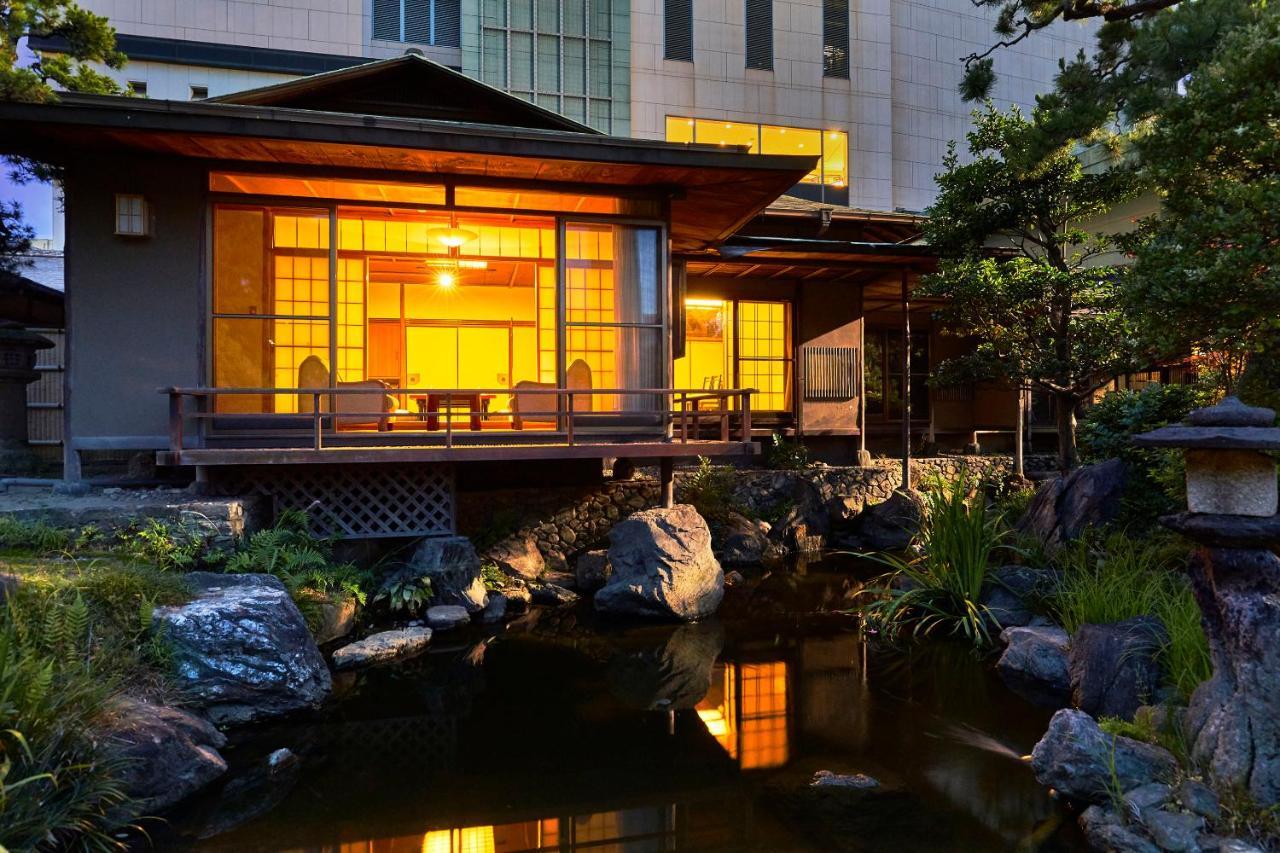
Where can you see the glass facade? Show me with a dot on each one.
(569, 56)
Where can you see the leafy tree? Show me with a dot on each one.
(1215, 244)
(15, 237)
(1048, 311)
(89, 38)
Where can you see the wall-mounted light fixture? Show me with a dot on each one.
(133, 216)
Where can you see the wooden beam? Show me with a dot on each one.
(330, 455)
(906, 382)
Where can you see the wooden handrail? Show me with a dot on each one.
(564, 411)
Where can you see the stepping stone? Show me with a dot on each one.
(385, 646)
(444, 617)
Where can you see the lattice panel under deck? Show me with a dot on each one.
(363, 501)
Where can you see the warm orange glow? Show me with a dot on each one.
(452, 237)
(832, 145)
(446, 279)
(471, 839)
(746, 712)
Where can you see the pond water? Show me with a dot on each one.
(558, 733)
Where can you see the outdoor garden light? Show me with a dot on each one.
(1229, 471)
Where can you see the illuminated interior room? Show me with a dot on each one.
(448, 315)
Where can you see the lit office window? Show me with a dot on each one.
(832, 146)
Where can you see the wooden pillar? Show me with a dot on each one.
(864, 458)
(667, 478)
(906, 382)
(1018, 434)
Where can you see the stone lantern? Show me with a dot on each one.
(1233, 721)
(18, 348)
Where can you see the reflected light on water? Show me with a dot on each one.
(746, 712)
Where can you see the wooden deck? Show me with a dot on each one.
(331, 455)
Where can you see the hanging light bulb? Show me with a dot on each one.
(453, 237)
(446, 279)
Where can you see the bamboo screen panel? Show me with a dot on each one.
(830, 373)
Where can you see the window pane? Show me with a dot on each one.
(612, 274)
(239, 286)
(764, 361)
(835, 38)
(759, 17)
(793, 140)
(679, 129)
(835, 158)
(728, 133)
(677, 21)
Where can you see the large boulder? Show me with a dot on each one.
(1034, 665)
(168, 754)
(739, 541)
(518, 556)
(1232, 721)
(1010, 592)
(1115, 668)
(241, 650)
(662, 566)
(673, 675)
(890, 525)
(1080, 761)
(1065, 507)
(452, 566)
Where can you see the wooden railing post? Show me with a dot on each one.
(175, 420)
(317, 425)
(724, 417)
(448, 419)
(746, 417)
(684, 418)
(568, 424)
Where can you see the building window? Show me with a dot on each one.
(677, 22)
(835, 38)
(883, 374)
(753, 351)
(435, 22)
(199, 93)
(138, 87)
(558, 54)
(760, 34)
(131, 216)
(831, 146)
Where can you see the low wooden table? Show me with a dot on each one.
(429, 406)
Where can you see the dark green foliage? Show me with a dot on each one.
(782, 454)
(90, 39)
(34, 537)
(15, 237)
(1155, 479)
(939, 589)
(1207, 265)
(492, 577)
(1049, 314)
(302, 562)
(710, 489)
(170, 545)
(73, 634)
(1115, 578)
(406, 594)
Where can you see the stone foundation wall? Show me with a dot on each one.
(566, 521)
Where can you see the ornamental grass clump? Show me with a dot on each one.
(1117, 578)
(938, 590)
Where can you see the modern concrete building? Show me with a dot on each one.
(871, 85)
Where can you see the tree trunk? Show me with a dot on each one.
(1065, 410)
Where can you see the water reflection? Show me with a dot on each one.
(574, 736)
(746, 712)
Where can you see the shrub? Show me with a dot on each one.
(304, 564)
(169, 544)
(406, 593)
(782, 454)
(492, 576)
(1106, 431)
(35, 537)
(710, 489)
(71, 635)
(1119, 578)
(939, 590)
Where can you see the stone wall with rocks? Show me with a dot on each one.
(562, 522)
